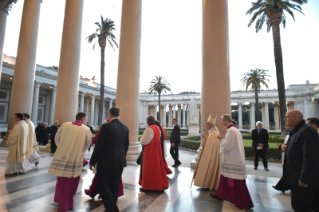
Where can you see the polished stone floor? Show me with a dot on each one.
(34, 190)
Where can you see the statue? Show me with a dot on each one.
(192, 108)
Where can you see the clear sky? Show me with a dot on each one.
(172, 40)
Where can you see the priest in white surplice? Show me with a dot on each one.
(32, 140)
(19, 151)
(207, 173)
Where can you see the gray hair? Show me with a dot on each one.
(227, 117)
(258, 122)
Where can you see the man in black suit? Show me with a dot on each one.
(260, 139)
(110, 155)
(53, 129)
(301, 159)
(175, 141)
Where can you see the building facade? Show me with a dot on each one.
(304, 97)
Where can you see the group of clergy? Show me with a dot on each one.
(23, 146)
(221, 164)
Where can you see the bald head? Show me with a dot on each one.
(293, 118)
(150, 120)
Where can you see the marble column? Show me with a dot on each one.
(34, 115)
(252, 116)
(24, 71)
(266, 122)
(128, 81)
(92, 109)
(170, 116)
(263, 118)
(276, 116)
(164, 116)
(87, 107)
(110, 104)
(104, 110)
(291, 105)
(305, 109)
(53, 96)
(152, 110)
(82, 102)
(97, 110)
(187, 120)
(240, 115)
(69, 75)
(198, 112)
(215, 62)
(179, 114)
(184, 117)
(174, 111)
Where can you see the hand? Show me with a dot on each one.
(203, 135)
(91, 168)
(284, 147)
(173, 144)
(220, 137)
(302, 184)
(260, 144)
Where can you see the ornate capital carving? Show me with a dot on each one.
(6, 5)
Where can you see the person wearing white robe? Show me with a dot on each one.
(19, 153)
(32, 141)
(207, 172)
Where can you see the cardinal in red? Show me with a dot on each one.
(153, 171)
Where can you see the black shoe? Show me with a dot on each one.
(215, 197)
(177, 164)
(283, 191)
(36, 164)
(255, 168)
(86, 192)
(266, 169)
(174, 166)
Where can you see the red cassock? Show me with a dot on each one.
(153, 175)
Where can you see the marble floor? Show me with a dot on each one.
(34, 190)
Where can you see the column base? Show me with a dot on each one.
(193, 164)
(193, 129)
(134, 151)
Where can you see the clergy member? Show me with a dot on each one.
(53, 129)
(207, 173)
(32, 141)
(19, 150)
(152, 174)
(72, 139)
(232, 184)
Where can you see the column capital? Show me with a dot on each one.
(37, 84)
(6, 5)
(252, 103)
(82, 94)
(240, 103)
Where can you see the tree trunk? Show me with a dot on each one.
(159, 106)
(257, 110)
(280, 77)
(101, 103)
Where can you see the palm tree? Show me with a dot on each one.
(104, 33)
(272, 12)
(159, 85)
(255, 78)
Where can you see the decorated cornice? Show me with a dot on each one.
(6, 5)
(42, 73)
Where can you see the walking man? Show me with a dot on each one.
(72, 139)
(32, 141)
(110, 156)
(301, 159)
(175, 141)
